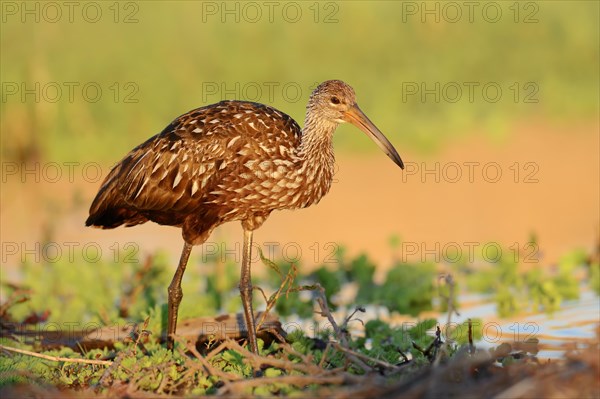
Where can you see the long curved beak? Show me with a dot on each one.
(358, 118)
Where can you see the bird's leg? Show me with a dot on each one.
(246, 290)
(175, 294)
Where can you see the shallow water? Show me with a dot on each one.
(575, 322)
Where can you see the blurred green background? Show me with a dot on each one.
(168, 57)
(511, 83)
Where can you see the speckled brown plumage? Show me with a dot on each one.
(234, 160)
(228, 161)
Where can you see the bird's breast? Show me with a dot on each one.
(267, 185)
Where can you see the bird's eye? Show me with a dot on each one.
(335, 100)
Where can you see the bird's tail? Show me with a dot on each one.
(109, 210)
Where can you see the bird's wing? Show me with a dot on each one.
(171, 173)
(174, 170)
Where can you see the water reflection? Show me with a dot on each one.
(576, 320)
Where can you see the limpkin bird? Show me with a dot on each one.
(234, 160)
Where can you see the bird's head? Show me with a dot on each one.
(335, 101)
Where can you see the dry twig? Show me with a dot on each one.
(366, 358)
(340, 334)
(296, 380)
(449, 280)
(55, 358)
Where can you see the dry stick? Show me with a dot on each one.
(307, 360)
(216, 351)
(164, 380)
(163, 384)
(351, 355)
(256, 360)
(322, 301)
(135, 336)
(273, 299)
(349, 318)
(55, 358)
(225, 377)
(471, 346)
(186, 376)
(325, 312)
(263, 294)
(274, 267)
(325, 353)
(365, 357)
(209, 367)
(290, 350)
(307, 367)
(286, 282)
(404, 357)
(450, 281)
(107, 378)
(297, 380)
(15, 297)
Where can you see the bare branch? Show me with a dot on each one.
(55, 358)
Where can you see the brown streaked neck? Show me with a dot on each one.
(316, 148)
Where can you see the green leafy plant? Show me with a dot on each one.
(408, 288)
(516, 286)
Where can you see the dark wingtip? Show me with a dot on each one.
(91, 221)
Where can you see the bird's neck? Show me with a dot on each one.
(316, 153)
